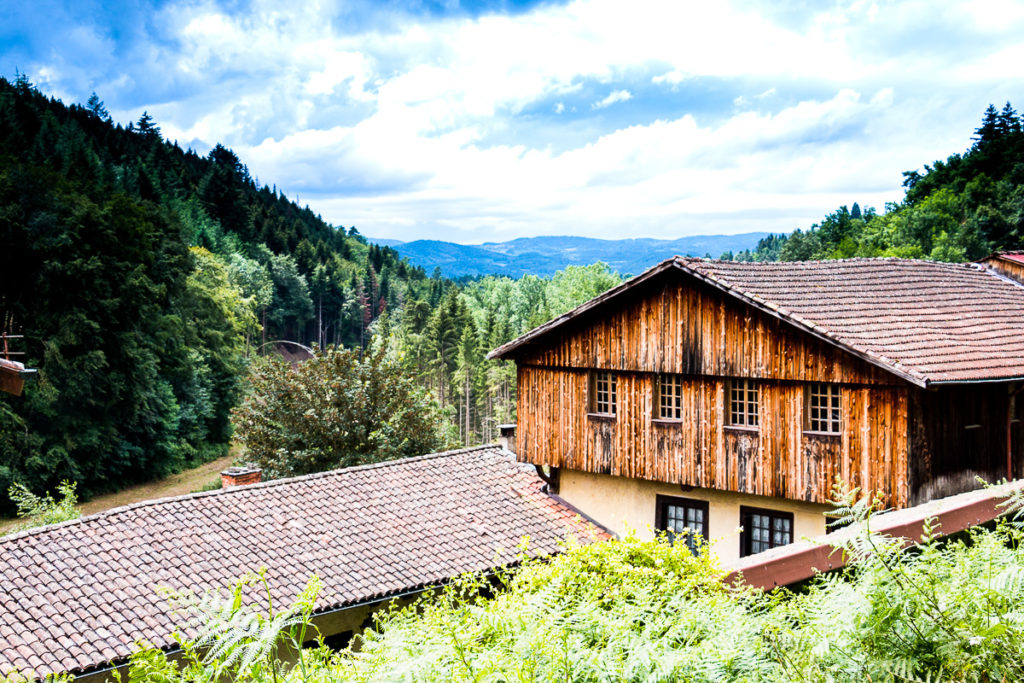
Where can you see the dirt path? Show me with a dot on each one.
(174, 485)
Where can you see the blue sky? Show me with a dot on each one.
(483, 121)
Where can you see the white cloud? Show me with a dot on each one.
(451, 127)
(672, 78)
(612, 98)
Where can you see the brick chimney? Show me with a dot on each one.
(240, 476)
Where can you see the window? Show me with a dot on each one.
(670, 397)
(764, 529)
(823, 408)
(676, 515)
(743, 403)
(604, 393)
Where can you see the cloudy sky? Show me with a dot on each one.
(483, 121)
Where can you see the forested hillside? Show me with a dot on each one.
(144, 276)
(544, 256)
(959, 209)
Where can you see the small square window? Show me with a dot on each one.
(605, 393)
(764, 529)
(670, 397)
(676, 515)
(744, 403)
(824, 408)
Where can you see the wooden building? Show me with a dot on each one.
(1008, 263)
(714, 395)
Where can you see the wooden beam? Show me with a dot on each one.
(804, 559)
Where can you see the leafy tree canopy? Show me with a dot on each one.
(959, 209)
(339, 408)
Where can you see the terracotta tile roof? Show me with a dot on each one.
(922, 320)
(1017, 256)
(939, 322)
(77, 595)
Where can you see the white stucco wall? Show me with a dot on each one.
(624, 505)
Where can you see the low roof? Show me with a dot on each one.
(803, 559)
(1015, 256)
(925, 321)
(76, 596)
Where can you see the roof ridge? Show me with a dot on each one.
(810, 262)
(250, 487)
(893, 366)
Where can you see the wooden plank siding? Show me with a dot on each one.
(1008, 267)
(777, 459)
(694, 330)
(960, 433)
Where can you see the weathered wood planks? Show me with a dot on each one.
(777, 459)
(691, 328)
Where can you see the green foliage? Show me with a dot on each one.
(338, 409)
(235, 638)
(141, 276)
(212, 485)
(239, 635)
(627, 610)
(444, 344)
(43, 510)
(959, 209)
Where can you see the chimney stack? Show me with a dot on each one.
(507, 436)
(240, 476)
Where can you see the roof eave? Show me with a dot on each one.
(984, 380)
(506, 350)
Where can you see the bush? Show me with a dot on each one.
(43, 510)
(339, 408)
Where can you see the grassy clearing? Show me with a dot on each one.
(175, 485)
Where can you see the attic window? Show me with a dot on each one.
(670, 397)
(744, 400)
(824, 408)
(604, 393)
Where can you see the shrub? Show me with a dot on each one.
(43, 510)
(337, 409)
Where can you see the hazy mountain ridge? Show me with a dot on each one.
(544, 256)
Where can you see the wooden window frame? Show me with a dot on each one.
(672, 400)
(827, 419)
(606, 397)
(746, 537)
(662, 504)
(748, 416)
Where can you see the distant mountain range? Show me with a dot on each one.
(545, 255)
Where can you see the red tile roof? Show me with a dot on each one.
(922, 320)
(77, 595)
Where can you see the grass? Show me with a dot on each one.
(188, 481)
